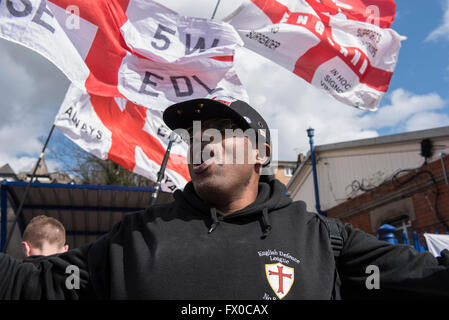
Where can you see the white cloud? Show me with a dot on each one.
(31, 90)
(20, 145)
(16, 86)
(27, 163)
(21, 164)
(17, 139)
(425, 120)
(403, 105)
(441, 31)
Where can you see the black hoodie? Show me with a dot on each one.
(272, 249)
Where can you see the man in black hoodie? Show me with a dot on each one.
(231, 234)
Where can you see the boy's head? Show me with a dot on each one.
(44, 236)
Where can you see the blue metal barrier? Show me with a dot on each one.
(416, 243)
(386, 233)
(405, 238)
(3, 217)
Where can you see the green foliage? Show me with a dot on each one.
(106, 172)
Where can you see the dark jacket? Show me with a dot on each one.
(271, 249)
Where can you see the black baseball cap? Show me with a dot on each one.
(181, 115)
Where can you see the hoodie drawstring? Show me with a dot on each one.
(213, 214)
(266, 223)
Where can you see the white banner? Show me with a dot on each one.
(134, 49)
(437, 243)
(350, 59)
(33, 24)
(127, 60)
(130, 135)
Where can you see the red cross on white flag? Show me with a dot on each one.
(134, 49)
(342, 47)
(132, 136)
(121, 55)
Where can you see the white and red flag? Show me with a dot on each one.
(117, 129)
(344, 47)
(122, 57)
(134, 49)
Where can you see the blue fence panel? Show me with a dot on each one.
(386, 233)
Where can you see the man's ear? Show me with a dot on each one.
(263, 155)
(66, 247)
(26, 248)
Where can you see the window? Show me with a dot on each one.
(392, 213)
(288, 172)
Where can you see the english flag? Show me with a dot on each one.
(123, 57)
(344, 47)
(133, 136)
(134, 49)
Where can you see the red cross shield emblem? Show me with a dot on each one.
(280, 278)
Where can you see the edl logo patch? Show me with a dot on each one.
(280, 278)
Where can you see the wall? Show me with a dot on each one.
(279, 173)
(420, 189)
(342, 171)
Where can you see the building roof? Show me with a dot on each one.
(298, 170)
(282, 163)
(6, 170)
(393, 138)
(388, 139)
(42, 169)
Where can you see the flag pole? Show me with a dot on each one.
(25, 194)
(215, 10)
(160, 174)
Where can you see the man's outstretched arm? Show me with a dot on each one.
(63, 276)
(373, 268)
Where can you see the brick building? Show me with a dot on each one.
(284, 170)
(416, 200)
(398, 179)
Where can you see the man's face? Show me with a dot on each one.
(220, 158)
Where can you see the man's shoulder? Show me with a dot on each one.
(160, 209)
(137, 220)
(300, 207)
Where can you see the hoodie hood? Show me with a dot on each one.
(271, 196)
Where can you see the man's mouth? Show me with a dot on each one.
(200, 168)
(204, 165)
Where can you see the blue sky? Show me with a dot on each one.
(423, 64)
(32, 90)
